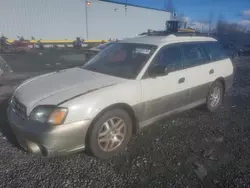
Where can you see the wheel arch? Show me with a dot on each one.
(221, 80)
(123, 106)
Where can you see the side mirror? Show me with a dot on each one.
(157, 70)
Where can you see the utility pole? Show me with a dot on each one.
(169, 6)
(173, 14)
(87, 3)
(126, 4)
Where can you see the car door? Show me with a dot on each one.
(199, 71)
(165, 93)
(218, 60)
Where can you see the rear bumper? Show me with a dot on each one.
(48, 140)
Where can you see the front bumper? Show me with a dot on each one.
(48, 140)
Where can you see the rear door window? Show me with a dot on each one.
(193, 55)
(214, 51)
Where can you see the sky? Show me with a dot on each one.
(197, 11)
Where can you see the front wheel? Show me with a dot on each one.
(109, 134)
(215, 96)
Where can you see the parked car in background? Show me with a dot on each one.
(236, 45)
(232, 50)
(125, 87)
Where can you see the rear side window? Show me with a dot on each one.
(214, 51)
(193, 55)
(170, 56)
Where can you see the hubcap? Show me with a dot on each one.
(111, 134)
(215, 96)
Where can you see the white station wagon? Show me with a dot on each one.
(127, 86)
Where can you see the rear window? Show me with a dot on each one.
(214, 51)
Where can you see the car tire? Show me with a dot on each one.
(215, 96)
(112, 128)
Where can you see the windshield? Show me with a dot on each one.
(121, 59)
(102, 46)
(3, 65)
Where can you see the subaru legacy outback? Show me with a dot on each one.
(125, 87)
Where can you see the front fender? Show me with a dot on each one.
(87, 107)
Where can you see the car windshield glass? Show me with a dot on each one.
(3, 63)
(102, 46)
(4, 66)
(121, 59)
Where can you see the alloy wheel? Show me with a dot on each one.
(112, 134)
(215, 96)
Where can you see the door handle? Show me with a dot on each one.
(181, 80)
(211, 71)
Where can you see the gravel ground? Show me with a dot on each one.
(192, 149)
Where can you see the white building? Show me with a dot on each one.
(61, 19)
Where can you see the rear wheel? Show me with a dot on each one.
(215, 96)
(110, 133)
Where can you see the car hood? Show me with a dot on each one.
(64, 84)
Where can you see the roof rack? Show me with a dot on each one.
(167, 33)
(172, 28)
(155, 33)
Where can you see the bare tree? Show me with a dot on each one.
(221, 24)
(224, 26)
(210, 22)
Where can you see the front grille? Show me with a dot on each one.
(19, 108)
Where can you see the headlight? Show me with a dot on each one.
(49, 114)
